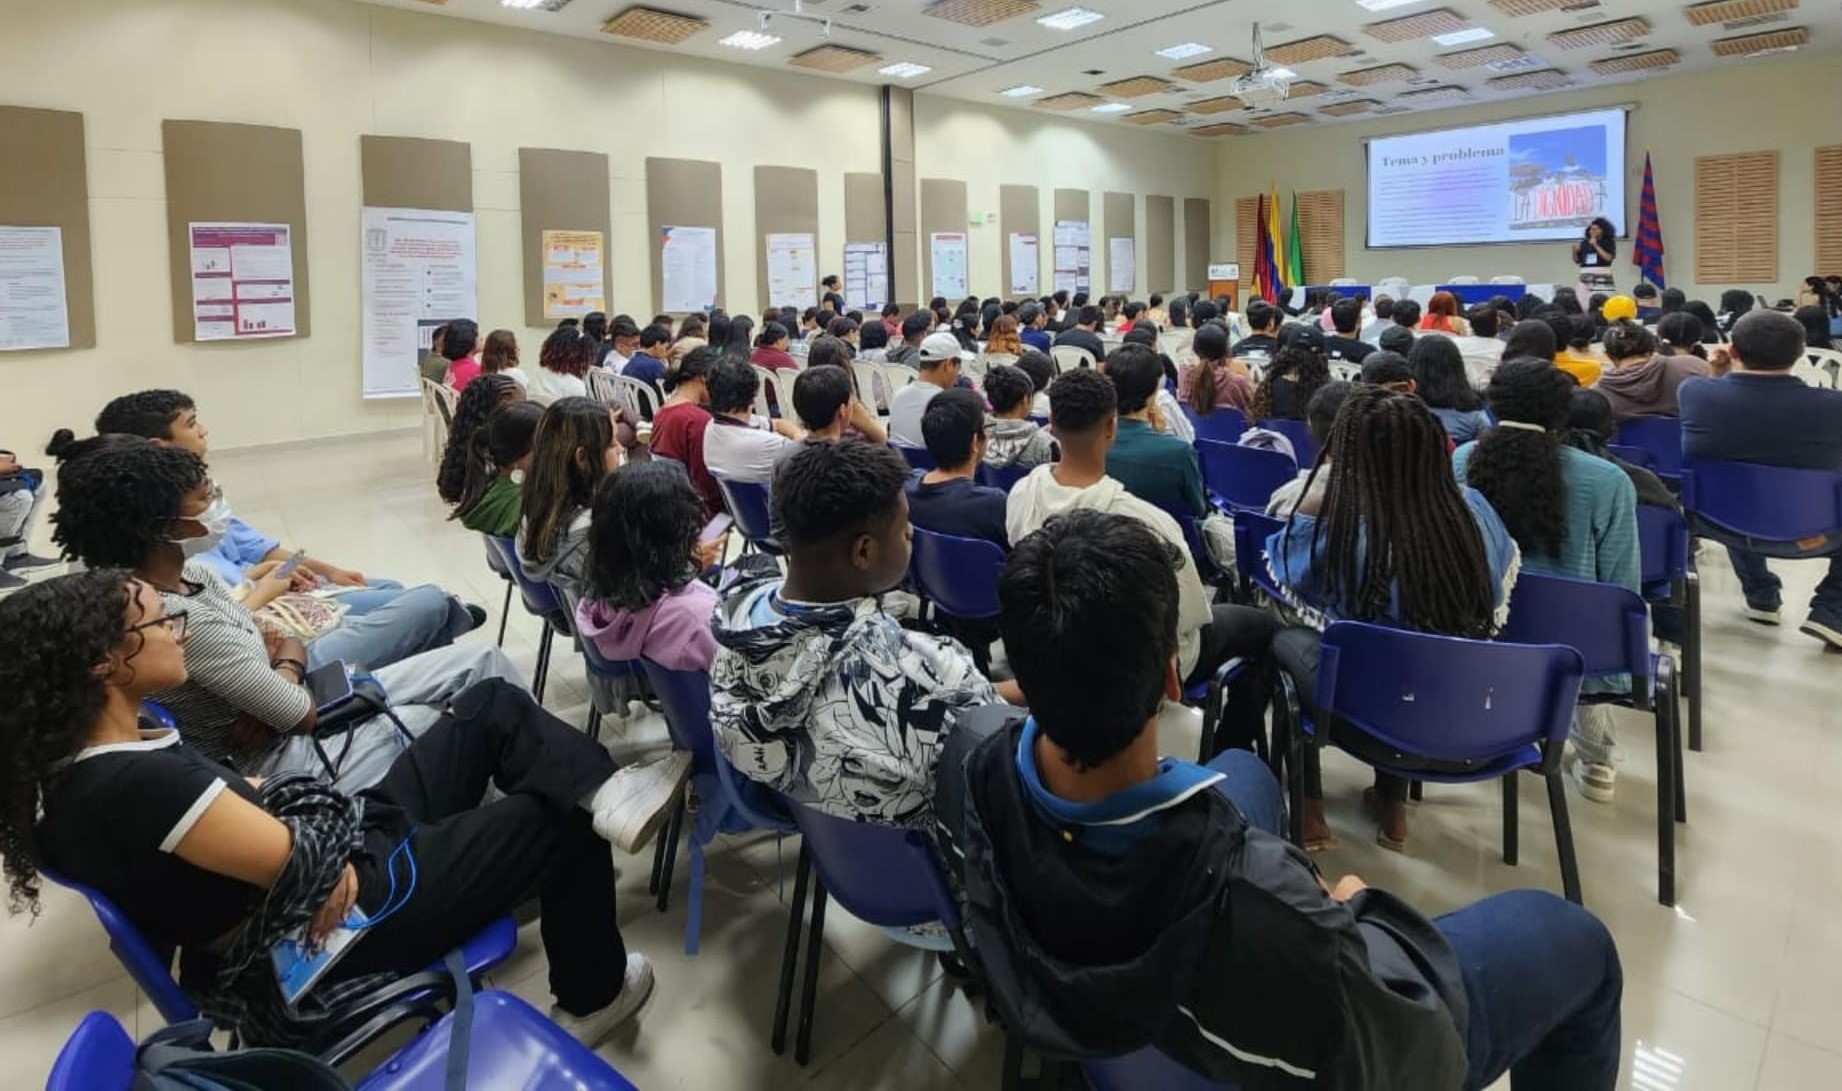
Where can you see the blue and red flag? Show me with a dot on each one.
(1647, 252)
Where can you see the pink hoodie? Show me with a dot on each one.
(673, 632)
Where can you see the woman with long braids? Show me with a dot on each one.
(1393, 539)
(477, 402)
(492, 493)
(223, 866)
(1573, 515)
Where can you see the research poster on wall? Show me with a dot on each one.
(866, 275)
(949, 253)
(418, 271)
(1121, 264)
(688, 271)
(1024, 273)
(242, 281)
(1074, 256)
(793, 269)
(575, 277)
(34, 313)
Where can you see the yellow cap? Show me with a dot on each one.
(1620, 306)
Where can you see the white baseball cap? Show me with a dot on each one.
(941, 346)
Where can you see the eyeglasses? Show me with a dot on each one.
(175, 622)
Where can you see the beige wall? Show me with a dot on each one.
(992, 146)
(1759, 106)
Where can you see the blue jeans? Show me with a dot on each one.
(410, 622)
(375, 593)
(1542, 977)
(1762, 587)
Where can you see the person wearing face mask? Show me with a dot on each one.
(127, 502)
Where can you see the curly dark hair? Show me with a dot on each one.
(1306, 370)
(1007, 386)
(52, 635)
(1080, 401)
(148, 413)
(483, 395)
(567, 351)
(117, 495)
(828, 492)
(1519, 470)
(646, 520)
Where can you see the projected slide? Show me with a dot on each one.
(1520, 181)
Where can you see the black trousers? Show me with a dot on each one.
(1246, 633)
(474, 861)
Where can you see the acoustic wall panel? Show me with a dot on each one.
(1120, 221)
(1198, 233)
(1160, 263)
(943, 209)
(687, 193)
(44, 182)
(1020, 213)
(786, 200)
(560, 191)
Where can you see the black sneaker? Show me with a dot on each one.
(27, 560)
(10, 582)
(477, 613)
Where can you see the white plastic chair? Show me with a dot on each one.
(1464, 280)
(895, 377)
(766, 374)
(1394, 287)
(1345, 282)
(1070, 356)
(602, 386)
(863, 376)
(638, 396)
(1820, 367)
(438, 401)
(1344, 371)
(1506, 279)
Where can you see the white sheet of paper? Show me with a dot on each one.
(33, 311)
(948, 249)
(688, 269)
(418, 271)
(792, 269)
(1024, 272)
(1121, 265)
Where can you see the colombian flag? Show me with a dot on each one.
(1271, 243)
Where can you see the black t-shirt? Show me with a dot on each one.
(1259, 344)
(113, 821)
(1586, 257)
(1347, 349)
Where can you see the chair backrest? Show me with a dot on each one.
(863, 376)
(1608, 625)
(1636, 456)
(1827, 365)
(149, 965)
(1244, 477)
(1661, 436)
(959, 575)
(1225, 425)
(539, 598)
(1443, 697)
(895, 377)
(1147, 1068)
(1304, 448)
(749, 506)
(1394, 287)
(685, 697)
(1251, 531)
(1344, 282)
(604, 387)
(917, 457)
(511, 1045)
(1507, 279)
(1070, 356)
(1345, 372)
(1464, 280)
(1192, 537)
(640, 395)
(438, 399)
(1769, 503)
(1662, 545)
(879, 874)
(98, 1056)
(763, 406)
(1005, 478)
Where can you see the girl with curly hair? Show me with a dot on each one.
(565, 358)
(197, 857)
(477, 402)
(1285, 390)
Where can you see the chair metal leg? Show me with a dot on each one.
(1666, 797)
(694, 900)
(673, 829)
(1210, 708)
(1691, 651)
(505, 612)
(658, 860)
(789, 959)
(543, 664)
(815, 947)
(1675, 730)
(1512, 819)
(1563, 837)
(593, 728)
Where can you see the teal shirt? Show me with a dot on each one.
(1157, 468)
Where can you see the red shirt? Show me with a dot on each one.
(678, 433)
(775, 359)
(463, 371)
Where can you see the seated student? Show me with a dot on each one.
(482, 397)
(844, 331)
(693, 333)
(947, 499)
(648, 361)
(1573, 338)
(433, 364)
(1407, 315)
(1397, 541)
(892, 320)
(1442, 316)
(914, 329)
(462, 348)
(1035, 323)
(574, 448)
(641, 597)
(1003, 338)
(739, 445)
(500, 357)
(1617, 308)
(564, 359)
(1263, 318)
(1482, 350)
(1011, 438)
(1572, 515)
(873, 343)
(1154, 467)
(771, 349)
(22, 495)
(1042, 371)
(825, 400)
(1215, 380)
(1085, 421)
(125, 502)
(1396, 339)
(1759, 412)
(1642, 381)
(1295, 374)
(492, 490)
(1590, 428)
(1166, 414)
(1125, 899)
(1441, 382)
(1648, 308)
(384, 622)
(224, 867)
(1130, 316)
(1319, 416)
(1388, 370)
(1155, 312)
(815, 691)
(1084, 332)
(1346, 318)
(623, 341)
(1381, 316)
(1531, 337)
(939, 364)
(679, 426)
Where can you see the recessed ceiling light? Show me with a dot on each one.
(1187, 49)
(1460, 37)
(521, 4)
(1283, 73)
(905, 70)
(749, 39)
(1022, 90)
(1070, 19)
(1383, 5)
(1111, 108)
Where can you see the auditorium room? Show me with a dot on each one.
(893, 545)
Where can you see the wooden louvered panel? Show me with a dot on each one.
(1829, 211)
(1246, 230)
(1320, 229)
(1736, 219)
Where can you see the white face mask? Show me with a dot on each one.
(216, 521)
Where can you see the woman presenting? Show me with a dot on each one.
(1594, 254)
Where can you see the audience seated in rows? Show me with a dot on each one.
(1442, 383)
(939, 368)
(1084, 333)
(1159, 469)
(738, 444)
(1643, 381)
(1296, 373)
(574, 448)
(22, 498)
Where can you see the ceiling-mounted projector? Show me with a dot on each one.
(1264, 84)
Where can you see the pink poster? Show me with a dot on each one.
(242, 281)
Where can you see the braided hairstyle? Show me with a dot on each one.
(1519, 470)
(1303, 368)
(52, 636)
(502, 440)
(483, 395)
(117, 495)
(1393, 522)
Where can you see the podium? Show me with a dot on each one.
(1225, 280)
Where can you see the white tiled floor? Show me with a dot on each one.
(1739, 987)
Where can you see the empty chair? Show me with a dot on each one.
(1244, 478)
(749, 506)
(1394, 287)
(1668, 576)
(1464, 280)
(958, 575)
(540, 600)
(1661, 436)
(1505, 279)
(1225, 425)
(1345, 282)
(1070, 356)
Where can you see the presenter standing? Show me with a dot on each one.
(1594, 254)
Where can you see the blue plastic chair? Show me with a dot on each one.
(1304, 448)
(1243, 478)
(497, 564)
(918, 458)
(98, 1056)
(1005, 478)
(958, 575)
(540, 601)
(1251, 532)
(1770, 505)
(614, 670)
(1661, 437)
(1610, 628)
(879, 874)
(749, 506)
(1461, 710)
(1206, 567)
(1222, 425)
(1147, 1068)
(727, 803)
(1636, 456)
(1668, 575)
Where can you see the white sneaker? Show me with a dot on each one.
(1595, 781)
(1762, 616)
(1828, 634)
(631, 805)
(592, 1029)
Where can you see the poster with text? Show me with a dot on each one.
(242, 281)
(418, 271)
(688, 270)
(1024, 273)
(1074, 256)
(792, 269)
(866, 275)
(1121, 265)
(948, 249)
(33, 310)
(575, 281)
